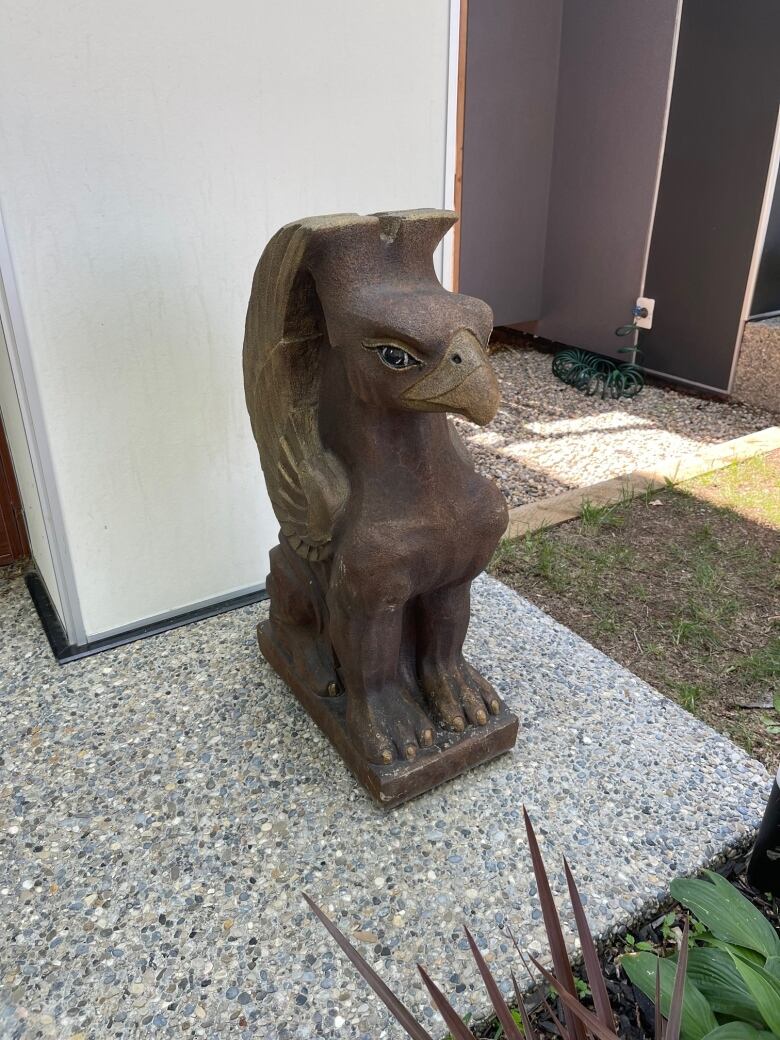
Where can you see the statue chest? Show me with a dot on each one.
(441, 533)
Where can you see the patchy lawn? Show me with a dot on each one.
(682, 586)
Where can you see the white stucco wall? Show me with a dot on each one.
(149, 150)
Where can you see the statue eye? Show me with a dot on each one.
(396, 357)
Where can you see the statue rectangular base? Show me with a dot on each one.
(450, 755)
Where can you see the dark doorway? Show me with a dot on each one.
(717, 162)
(13, 538)
(766, 295)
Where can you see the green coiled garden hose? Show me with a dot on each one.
(593, 374)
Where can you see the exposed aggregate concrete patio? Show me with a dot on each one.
(163, 806)
(757, 377)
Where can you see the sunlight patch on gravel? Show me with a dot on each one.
(548, 437)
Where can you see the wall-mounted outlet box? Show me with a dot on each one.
(643, 312)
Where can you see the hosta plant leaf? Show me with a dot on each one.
(697, 1016)
(714, 974)
(738, 1031)
(727, 913)
(765, 990)
(741, 951)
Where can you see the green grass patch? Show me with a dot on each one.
(684, 593)
(599, 516)
(763, 665)
(750, 486)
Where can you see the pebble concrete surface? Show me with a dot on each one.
(164, 805)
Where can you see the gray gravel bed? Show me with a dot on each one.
(164, 805)
(548, 438)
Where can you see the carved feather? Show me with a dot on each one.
(283, 344)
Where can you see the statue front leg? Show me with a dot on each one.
(456, 692)
(383, 720)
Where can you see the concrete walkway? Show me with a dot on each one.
(163, 806)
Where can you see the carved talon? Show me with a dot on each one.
(459, 693)
(388, 725)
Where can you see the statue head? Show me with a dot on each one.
(367, 286)
(360, 293)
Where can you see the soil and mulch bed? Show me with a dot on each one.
(682, 586)
(634, 1013)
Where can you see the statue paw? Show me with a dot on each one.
(459, 695)
(388, 725)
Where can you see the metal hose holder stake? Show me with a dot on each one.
(764, 868)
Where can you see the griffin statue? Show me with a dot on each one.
(353, 355)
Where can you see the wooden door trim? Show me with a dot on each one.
(460, 121)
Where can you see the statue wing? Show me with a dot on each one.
(285, 333)
(311, 488)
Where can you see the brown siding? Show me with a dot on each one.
(13, 539)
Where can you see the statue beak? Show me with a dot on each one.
(462, 382)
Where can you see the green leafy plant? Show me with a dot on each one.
(631, 942)
(578, 1022)
(593, 515)
(732, 988)
(667, 925)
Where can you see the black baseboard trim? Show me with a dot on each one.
(65, 652)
